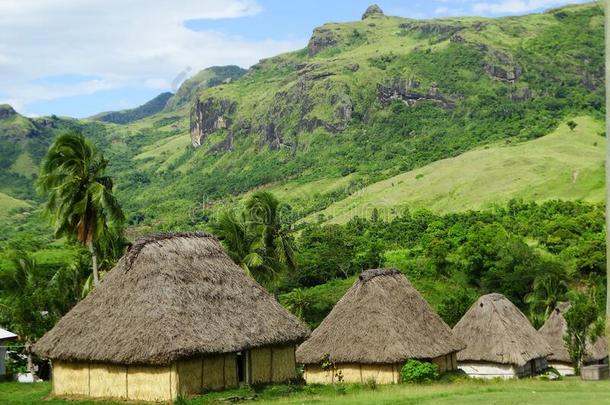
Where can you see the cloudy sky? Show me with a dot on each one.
(80, 57)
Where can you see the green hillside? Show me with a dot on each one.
(209, 77)
(8, 204)
(439, 147)
(147, 109)
(364, 102)
(564, 164)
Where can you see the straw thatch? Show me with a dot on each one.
(598, 351)
(496, 331)
(555, 328)
(171, 297)
(382, 319)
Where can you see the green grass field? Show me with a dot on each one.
(564, 164)
(8, 203)
(569, 391)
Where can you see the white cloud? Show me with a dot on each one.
(122, 43)
(514, 6)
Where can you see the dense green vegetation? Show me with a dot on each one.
(532, 253)
(462, 392)
(374, 121)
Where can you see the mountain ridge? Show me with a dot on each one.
(364, 101)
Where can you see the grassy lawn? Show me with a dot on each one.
(568, 391)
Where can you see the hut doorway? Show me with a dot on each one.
(242, 367)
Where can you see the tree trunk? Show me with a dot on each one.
(30, 363)
(607, 12)
(96, 277)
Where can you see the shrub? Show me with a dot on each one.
(180, 400)
(371, 383)
(415, 371)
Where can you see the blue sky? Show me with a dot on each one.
(77, 58)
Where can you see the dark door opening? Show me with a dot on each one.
(241, 367)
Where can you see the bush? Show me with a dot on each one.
(419, 372)
(371, 383)
(180, 400)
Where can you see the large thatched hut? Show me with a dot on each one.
(175, 317)
(554, 330)
(381, 322)
(500, 340)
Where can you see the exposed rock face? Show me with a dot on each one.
(292, 109)
(521, 95)
(499, 73)
(457, 38)
(299, 101)
(322, 38)
(273, 136)
(500, 65)
(372, 10)
(432, 27)
(6, 111)
(409, 92)
(208, 116)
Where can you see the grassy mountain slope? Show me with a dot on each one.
(209, 77)
(167, 101)
(564, 164)
(147, 109)
(8, 204)
(23, 143)
(364, 102)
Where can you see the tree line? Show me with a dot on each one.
(536, 254)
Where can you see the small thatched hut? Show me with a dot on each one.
(380, 323)
(500, 340)
(175, 317)
(553, 331)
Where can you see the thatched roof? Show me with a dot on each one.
(171, 296)
(598, 350)
(381, 319)
(555, 328)
(496, 331)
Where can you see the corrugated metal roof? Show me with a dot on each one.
(5, 334)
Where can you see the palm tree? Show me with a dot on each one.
(80, 197)
(257, 239)
(26, 300)
(548, 290)
(264, 210)
(242, 243)
(298, 301)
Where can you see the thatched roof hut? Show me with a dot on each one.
(554, 330)
(497, 332)
(172, 297)
(381, 320)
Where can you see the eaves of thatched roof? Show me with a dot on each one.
(496, 331)
(381, 319)
(172, 296)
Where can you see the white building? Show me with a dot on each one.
(5, 336)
